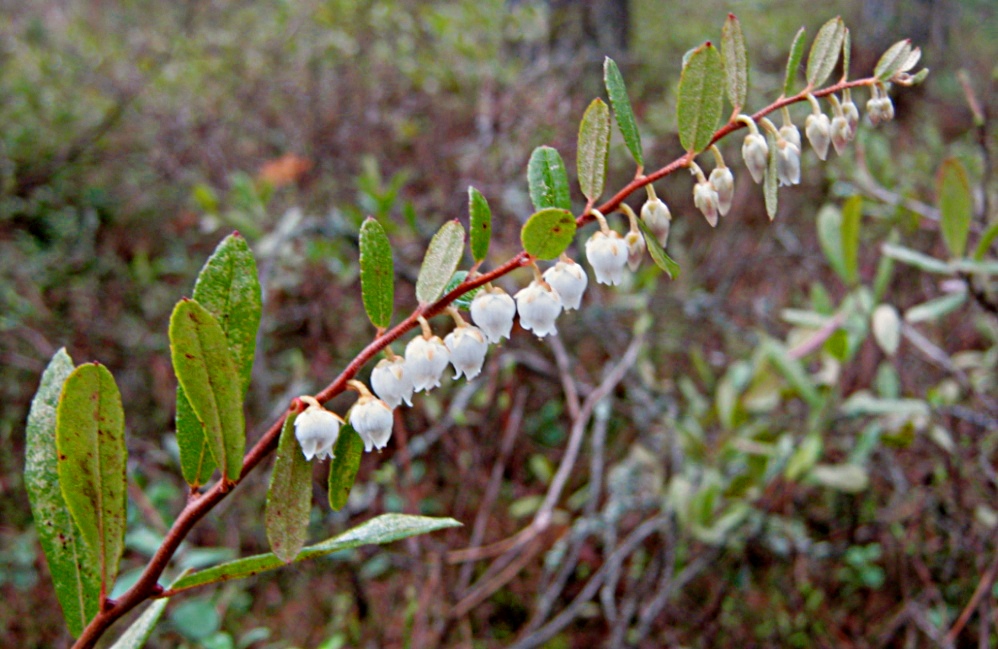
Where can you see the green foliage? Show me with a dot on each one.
(289, 497)
(701, 96)
(72, 562)
(480, 224)
(593, 149)
(735, 59)
(793, 61)
(548, 180)
(622, 111)
(377, 273)
(956, 205)
(548, 233)
(440, 261)
(825, 51)
(90, 441)
(343, 468)
(205, 369)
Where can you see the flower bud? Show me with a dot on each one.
(635, 249)
(467, 349)
(493, 310)
(787, 163)
(569, 281)
(316, 430)
(391, 382)
(851, 114)
(817, 128)
(790, 133)
(607, 254)
(705, 198)
(723, 182)
(880, 109)
(655, 214)
(840, 133)
(372, 419)
(755, 152)
(425, 361)
(538, 307)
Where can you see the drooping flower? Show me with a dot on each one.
(569, 280)
(493, 310)
(851, 114)
(538, 307)
(880, 109)
(316, 430)
(723, 182)
(705, 198)
(467, 349)
(655, 214)
(372, 419)
(425, 361)
(635, 249)
(607, 254)
(391, 382)
(817, 128)
(840, 133)
(755, 152)
(787, 163)
(790, 133)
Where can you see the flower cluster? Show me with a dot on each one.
(561, 287)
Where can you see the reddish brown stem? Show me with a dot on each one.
(147, 586)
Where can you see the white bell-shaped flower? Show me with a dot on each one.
(705, 198)
(372, 419)
(787, 163)
(851, 114)
(493, 310)
(840, 133)
(723, 182)
(316, 430)
(569, 280)
(655, 214)
(425, 362)
(818, 131)
(538, 307)
(755, 152)
(607, 254)
(467, 347)
(635, 249)
(391, 382)
(790, 133)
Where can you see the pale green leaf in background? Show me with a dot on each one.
(72, 563)
(956, 205)
(440, 261)
(593, 149)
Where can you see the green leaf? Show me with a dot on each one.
(440, 262)
(886, 325)
(770, 182)
(228, 287)
(463, 302)
(657, 253)
(825, 51)
(481, 224)
(701, 97)
(377, 273)
(343, 469)
(72, 564)
(735, 62)
(548, 233)
(548, 180)
(986, 240)
(830, 228)
(136, 635)
(893, 60)
(935, 308)
(852, 213)
(793, 61)
(381, 529)
(841, 477)
(289, 497)
(593, 149)
(90, 439)
(916, 259)
(846, 53)
(956, 205)
(792, 371)
(205, 369)
(622, 110)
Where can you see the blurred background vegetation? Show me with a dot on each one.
(136, 135)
